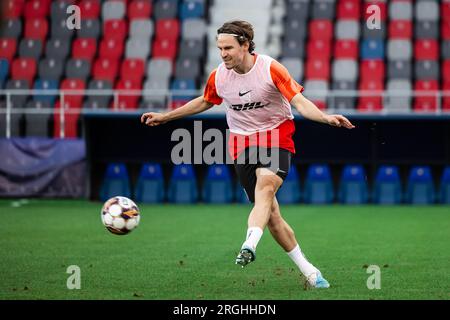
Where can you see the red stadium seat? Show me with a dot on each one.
(372, 70)
(71, 117)
(348, 9)
(369, 103)
(36, 9)
(400, 29)
(426, 102)
(8, 48)
(90, 9)
(125, 101)
(36, 29)
(164, 49)
(105, 69)
(445, 10)
(317, 69)
(132, 69)
(321, 29)
(12, 9)
(167, 29)
(445, 29)
(426, 50)
(84, 48)
(24, 69)
(319, 49)
(75, 100)
(446, 98)
(446, 71)
(346, 49)
(111, 48)
(380, 4)
(139, 9)
(115, 29)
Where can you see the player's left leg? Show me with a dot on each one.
(285, 237)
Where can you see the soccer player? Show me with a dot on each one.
(258, 93)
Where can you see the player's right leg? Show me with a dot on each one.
(284, 235)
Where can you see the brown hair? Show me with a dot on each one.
(242, 29)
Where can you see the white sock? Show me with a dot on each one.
(300, 260)
(254, 234)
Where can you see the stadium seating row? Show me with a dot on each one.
(218, 186)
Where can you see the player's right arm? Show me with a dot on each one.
(197, 105)
(194, 106)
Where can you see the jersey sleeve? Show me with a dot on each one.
(210, 93)
(283, 80)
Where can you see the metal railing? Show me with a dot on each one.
(166, 97)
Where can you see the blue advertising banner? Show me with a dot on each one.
(43, 167)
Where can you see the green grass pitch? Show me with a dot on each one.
(188, 252)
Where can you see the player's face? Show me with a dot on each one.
(231, 52)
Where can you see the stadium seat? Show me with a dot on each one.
(380, 4)
(426, 70)
(400, 29)
(372, 49)
(57, 49)
(374, 33)
(193, 29)
(29, 48)
(372, 70)
(127, 101)
(321, 29)
(192, 9)
(68, 85)
(318, 48)
(15, 123)
(293, 48)
(18, 100)
(217, 186)
(398, 97)
(90, 28)
(167, 29)
(316, 91)
(36, 29)
(113, 10)
(105, 69)
(427, 10)
(318, 185)
(111, 48)
(11, 28)
(342, 102)
(12, 9)
(426, 30)
(399, 49)
(36, 9)
(346, 49)
(345, 70)
(444, 191)
(71, 120)
(317, 69)
(41, 84)
(150, 186)
(426, 49)
(387, 187)
(426, 95)
(347, 30)
(23, 69)
(323, 10)
(51, 69)
(115, 29)
(297, 9)
(37, 124)
(115, 182)
(420, 188)
(190, 48)
(99, 101)
(399, 69)
(348, 9)
(132, 69)
(58, 29)
(165, 9)
(84, 48)
(180, 85)
(187, 68)
(400, 10)
(289, 192)
(4, 70)
(78, 69)
(353, 187)
(137, 48)
(183, 185)
(295, 29)
(140, 9)
(141, 28)
(90, 9)
(8, 49)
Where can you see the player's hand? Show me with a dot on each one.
(153, 119)
(338, 120)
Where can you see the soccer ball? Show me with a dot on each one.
(120, 215)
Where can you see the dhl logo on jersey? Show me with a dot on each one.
(248, 106)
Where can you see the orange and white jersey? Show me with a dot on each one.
(257, 100)
(256, 103)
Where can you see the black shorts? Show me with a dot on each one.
(275, 159)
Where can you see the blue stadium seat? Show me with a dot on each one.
(4, 70)
(41, 84)
(240, 195)
(182, 84)
(353, 185)
(183, 184)
(192, 9)
(217, 187)
(318, 185)
(387, 187)
(420, 186)
(150, 185)
(372, 49)
(444, 193)
(289, 192)
(116, 182)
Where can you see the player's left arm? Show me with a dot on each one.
(310, 111)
